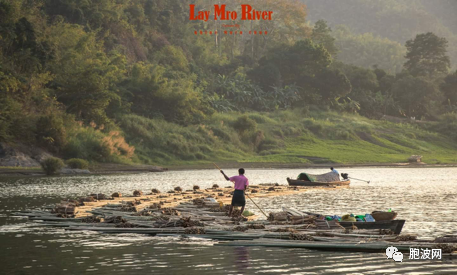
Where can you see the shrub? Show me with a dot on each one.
(51, 132)
(200, 156)
(78, 163)
(366, 129)
(52, 165)
(305, 111)
(244, 124)
(277, 132)
(258, 137)
(314, 126)
(205, 148)
(411, 135)
(447, 125)
(290, 130)
(342, 134)
(269, 144)
(219, 132)
(314, 108)
(117, 145)
(88, 143)
(260, 118)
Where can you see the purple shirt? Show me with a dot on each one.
(240, 182)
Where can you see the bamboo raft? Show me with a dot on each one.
(191, 214)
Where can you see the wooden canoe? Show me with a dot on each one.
(395, 225)
(293, 182)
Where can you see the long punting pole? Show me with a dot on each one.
(245, 194)
(367, 181)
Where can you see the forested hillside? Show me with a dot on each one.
(133, 81)
(395, 20)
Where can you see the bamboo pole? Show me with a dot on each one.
(256, 205)
(246, 195)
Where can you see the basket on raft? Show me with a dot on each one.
(383, 216)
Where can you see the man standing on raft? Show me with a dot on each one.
(241, 183)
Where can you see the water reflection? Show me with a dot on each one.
(242, 258)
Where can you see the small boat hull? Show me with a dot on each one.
(293, 182)
(395, 225)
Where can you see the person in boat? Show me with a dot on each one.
(241, 184)
(335, 171)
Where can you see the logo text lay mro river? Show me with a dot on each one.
(220, 13)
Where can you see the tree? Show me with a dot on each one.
(10, 116)
(332, 83)
(427, 56)
(296, 64)
(155, 95)
(50, 132)
(415, 96)
(288, 25)
(449, 88)
(267, 76)
(85, 76)
(172, 57)
(364, 87)
(322, 36)
(366, 50)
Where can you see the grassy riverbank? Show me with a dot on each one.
(285, 137)
(95, 168)
(282, 139)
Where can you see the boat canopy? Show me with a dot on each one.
(327, 177)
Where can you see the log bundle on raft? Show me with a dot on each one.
(285, 217)
(194, 213)
(65, 210)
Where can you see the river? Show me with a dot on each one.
(425, 197)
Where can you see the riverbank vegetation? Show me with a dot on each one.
(298, 136)
(131, 82)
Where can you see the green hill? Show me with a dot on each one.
(298, 136)
(136, 81)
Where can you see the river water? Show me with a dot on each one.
(425, 197)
